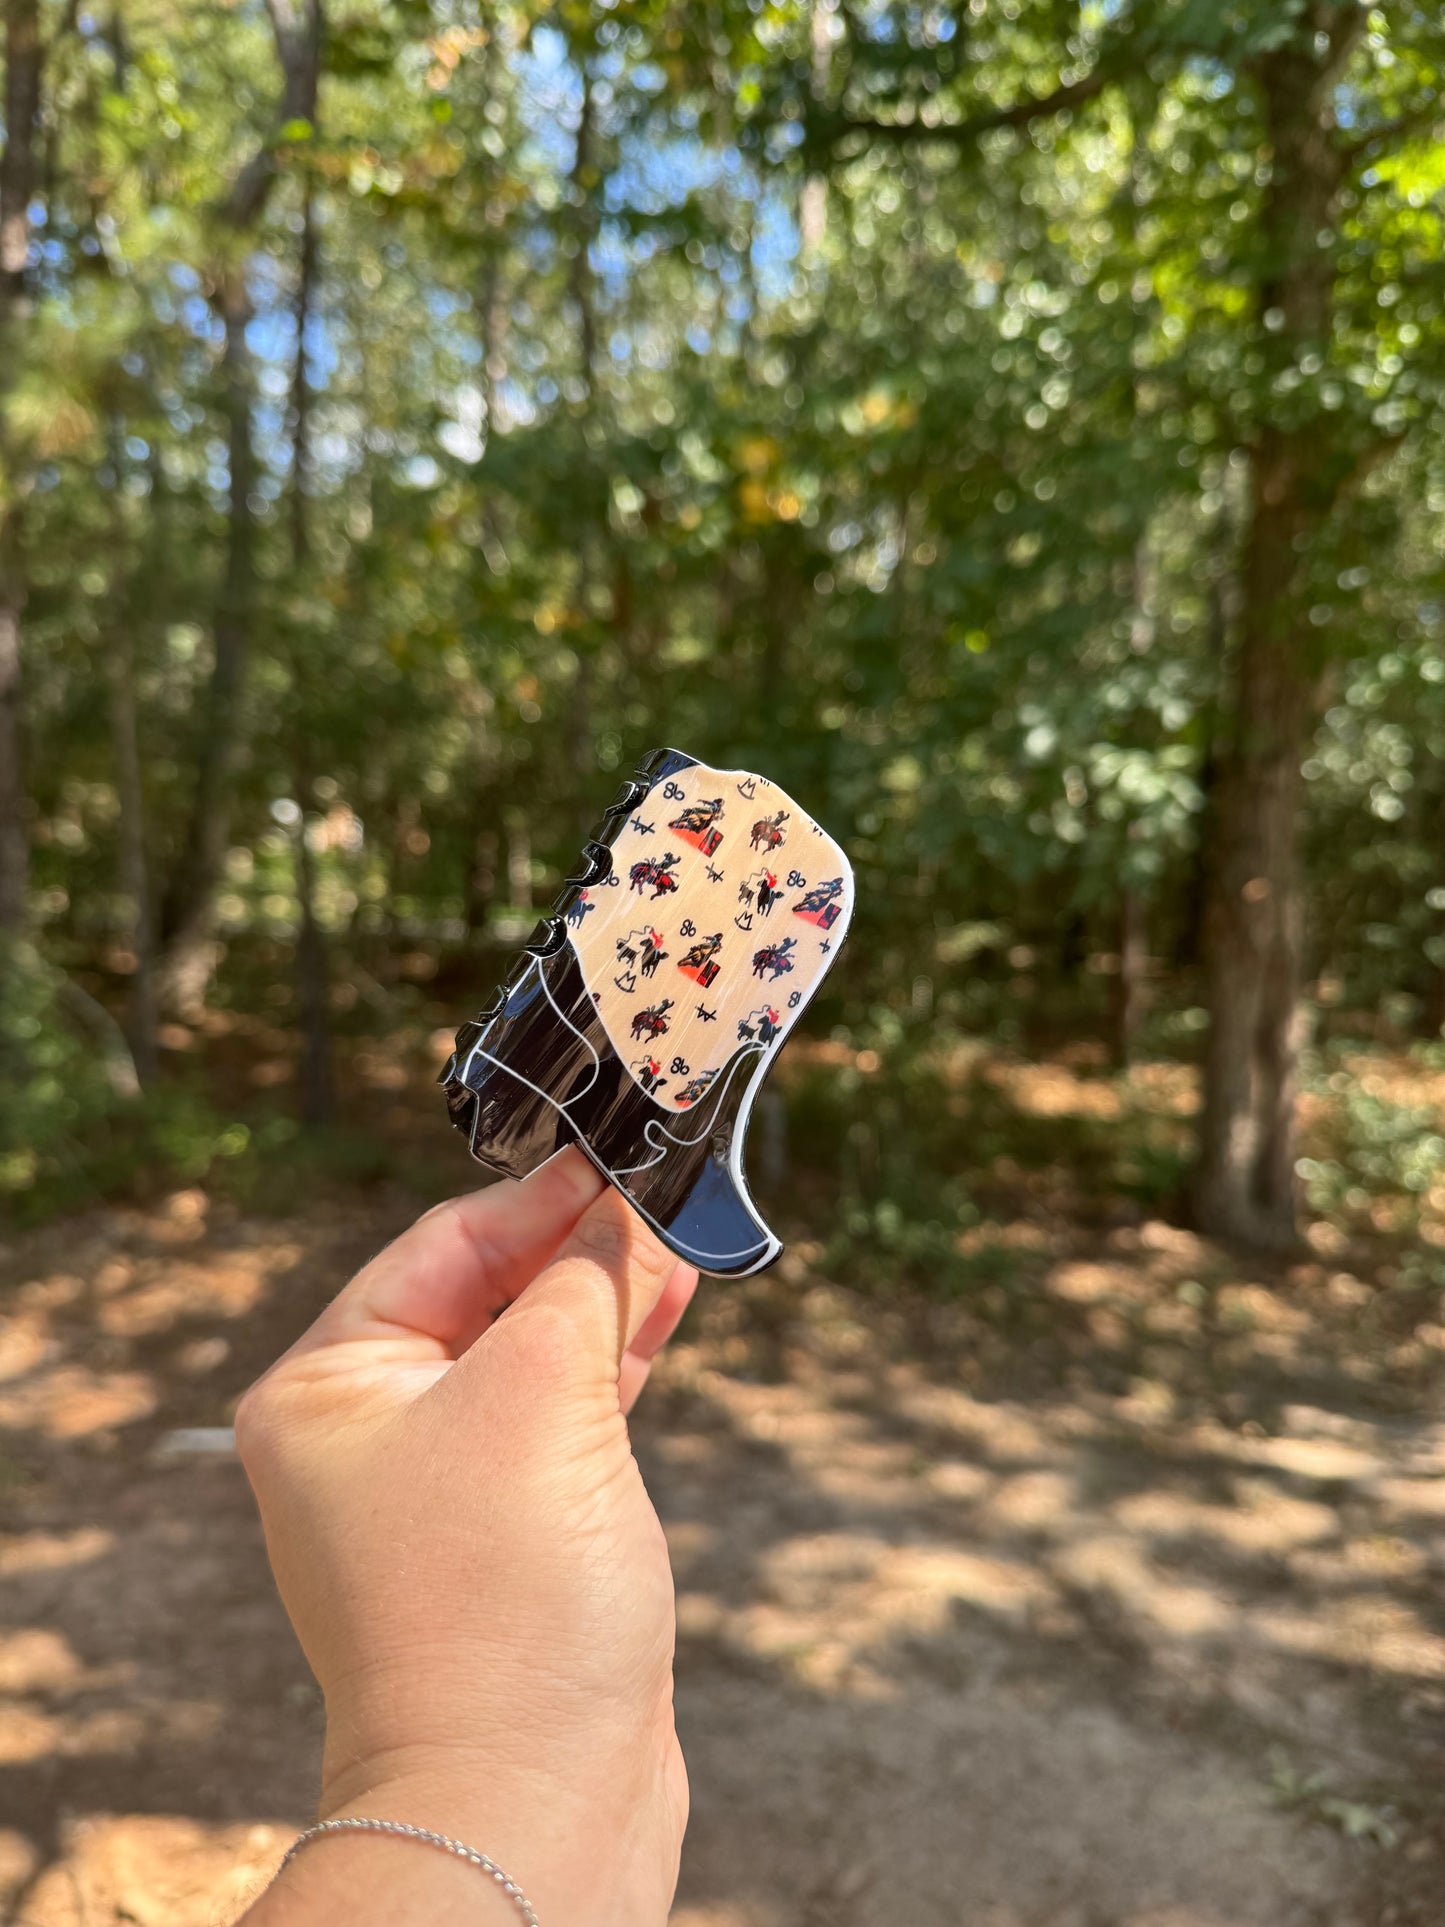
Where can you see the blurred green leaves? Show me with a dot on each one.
(908, 467)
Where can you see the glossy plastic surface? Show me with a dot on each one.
(538, 1069)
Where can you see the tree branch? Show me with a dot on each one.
(24, 65)
(1425, 115)
(298, 27)
(962, 133)
(65, 25)
(1343, 33)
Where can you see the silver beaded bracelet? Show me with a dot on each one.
(481, 1860)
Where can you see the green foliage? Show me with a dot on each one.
(1379, 1166)
(56, 1087)
(884, 1137)
(925, 1144)
(74, 1128)
(1300, 1791)
(808, 401)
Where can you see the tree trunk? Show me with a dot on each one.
(1253, 920)
(519, 862)
(582, 721)
(1253, 917)
(495, 326)
(14, 803)
(186, 921)
(1129, 984)
(313, 978)
(24, 60)
(307, 264)
(583, 185)
(131, 866)
(313, 964)
(495, 320)
(1434, 1004)
(298, 27)
(813, 195)
(480, 883)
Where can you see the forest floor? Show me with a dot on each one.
(1129, 1614)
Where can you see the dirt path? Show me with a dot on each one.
(1121, 1611)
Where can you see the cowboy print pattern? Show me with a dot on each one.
(721, 913)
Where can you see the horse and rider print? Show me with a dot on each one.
(722, 891)
(655, 874)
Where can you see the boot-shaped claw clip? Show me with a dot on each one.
(644, 1012)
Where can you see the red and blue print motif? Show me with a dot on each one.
(653, 1021)
(695, 1086)
(759, 1026)
(656, 874)
(721, 913)
(823, 905)
(696, 825)
(701, 962)
(775, 957)
(768, 832)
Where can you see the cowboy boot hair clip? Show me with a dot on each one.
(645, 1011)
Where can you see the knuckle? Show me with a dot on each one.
(446, 1217)
(677, 1792)
(252, 1423)
(603, 1233)
(541, 1341)
(612, 1234)
(452, 1219)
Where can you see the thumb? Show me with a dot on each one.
(600, 1288)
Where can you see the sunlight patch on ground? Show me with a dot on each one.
(1049, 1090)
(72, 1401)
(827, 1602)
(37, 1552)
(38, 1660)
(1115, 1566)
(156, 1870)
(1262, 1520)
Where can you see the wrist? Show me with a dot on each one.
(599, 1850)
(541, 1841)
(374, 1880)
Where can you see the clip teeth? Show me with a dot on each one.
(547, 939)
(627, 798)
(596, 865)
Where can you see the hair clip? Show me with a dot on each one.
(645, 1010)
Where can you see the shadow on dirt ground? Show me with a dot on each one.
(1122, 1612)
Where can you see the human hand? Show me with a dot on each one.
(462, 1539)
